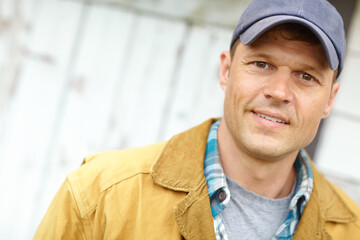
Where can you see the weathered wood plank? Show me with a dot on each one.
(14, 28)
(354, 31)
(197, 95)
(91, 89)
(338, 150)
(224, 13)
(348, 98)
(141, 96)
(32, 115)
(15, 21)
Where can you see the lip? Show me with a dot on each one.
(272, 115)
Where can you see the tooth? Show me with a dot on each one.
(270, 118)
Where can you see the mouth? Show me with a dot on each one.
(274, 117)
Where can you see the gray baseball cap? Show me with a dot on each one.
(318, 15)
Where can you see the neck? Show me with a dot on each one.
(268, 178)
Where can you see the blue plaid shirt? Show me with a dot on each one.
(219, 193)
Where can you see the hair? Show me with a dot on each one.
(293, 32)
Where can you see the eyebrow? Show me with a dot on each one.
(304, 66)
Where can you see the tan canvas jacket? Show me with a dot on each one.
(159, 192)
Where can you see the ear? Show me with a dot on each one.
(334, 91)
(225, 61)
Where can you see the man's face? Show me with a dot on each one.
(276, 93)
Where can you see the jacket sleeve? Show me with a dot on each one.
(62, 220)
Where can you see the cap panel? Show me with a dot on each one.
(263, 25)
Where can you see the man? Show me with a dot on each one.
(245, 176)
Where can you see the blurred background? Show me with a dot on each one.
(79, 77)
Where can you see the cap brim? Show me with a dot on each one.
(261, 26)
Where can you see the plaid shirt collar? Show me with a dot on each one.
(219, 193)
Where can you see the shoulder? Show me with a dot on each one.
(100, 172)
(349, 202)
(328, 187)
(135, 157)
(338, 206)
(343, 215)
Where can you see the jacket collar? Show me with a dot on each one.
(180, 167)
(185, 170)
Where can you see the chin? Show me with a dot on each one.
(272, 152)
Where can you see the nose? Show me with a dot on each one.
(278, 87)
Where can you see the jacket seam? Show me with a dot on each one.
(71, 190)
(109, 186)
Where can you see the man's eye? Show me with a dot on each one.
(261, 64)
(307, 77)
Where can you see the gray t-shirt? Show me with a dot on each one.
(252, 216)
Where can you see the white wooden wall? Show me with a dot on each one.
(79, 77)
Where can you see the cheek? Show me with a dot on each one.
(310, 130)
(233, 96)
(230, 102)
(240, 93)
(231, 106)
(316, 106)
(311, 112)
(241, 90)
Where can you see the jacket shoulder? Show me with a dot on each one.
(343, 198)
(349, 202)
(100, 172)
(339, 207)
